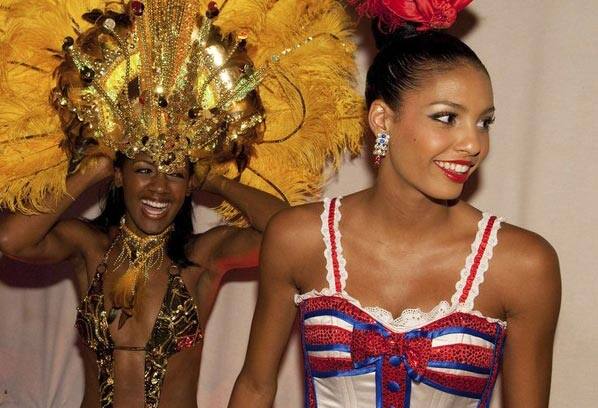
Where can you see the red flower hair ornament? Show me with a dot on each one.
(425, 14)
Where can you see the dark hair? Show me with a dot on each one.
(407, 57)
(114, 208)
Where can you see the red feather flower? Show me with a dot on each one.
(427, 14)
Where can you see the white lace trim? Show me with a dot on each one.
(408, 320)
(342, 262)
(482, 267)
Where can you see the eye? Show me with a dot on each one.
(177, 175)
(486, 124)
(448, 118)
(143, 170)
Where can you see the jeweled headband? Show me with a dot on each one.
(165, 82)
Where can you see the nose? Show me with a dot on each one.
(159, 183)
(469, 141)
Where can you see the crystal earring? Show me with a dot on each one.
(381, 147)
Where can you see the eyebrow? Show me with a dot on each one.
(181, 170)
(455, 105)
(144, 161)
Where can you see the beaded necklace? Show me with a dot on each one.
(141, 254)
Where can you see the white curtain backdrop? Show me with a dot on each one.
(541, 174)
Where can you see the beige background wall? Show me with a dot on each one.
(542, 174)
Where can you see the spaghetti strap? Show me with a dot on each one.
(476, 265)
(336, 273)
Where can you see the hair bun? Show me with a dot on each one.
(383, 36)
(401, 19)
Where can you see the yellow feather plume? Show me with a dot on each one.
(313, 113)
(321, 73)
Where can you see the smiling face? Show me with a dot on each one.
(440, 134)
(152, 199)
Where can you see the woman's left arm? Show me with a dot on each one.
(224, 248)
(257, 205)
(532, 303)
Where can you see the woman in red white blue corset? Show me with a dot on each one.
(390, 299)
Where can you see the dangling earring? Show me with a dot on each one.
(381, 147)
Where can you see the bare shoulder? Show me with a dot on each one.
(83, 234)
(529, 268)
(526, 250)
(295, 227)
(293, 243)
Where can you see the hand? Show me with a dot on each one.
(97, 164)
(209, 177)
(214, 183)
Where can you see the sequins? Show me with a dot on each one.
(339, 337)
(176, 328)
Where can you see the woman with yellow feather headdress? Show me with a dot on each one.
(160, 95)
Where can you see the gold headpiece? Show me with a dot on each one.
(263, 86)
(162, 80)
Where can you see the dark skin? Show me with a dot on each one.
(406, 239)
(45, 239)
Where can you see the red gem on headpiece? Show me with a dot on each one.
(137, 8)
(213, 10)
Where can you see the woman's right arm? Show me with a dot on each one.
(43, 238)
(273, 318)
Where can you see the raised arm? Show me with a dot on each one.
(43, 238)
(533, 304)
(224, 248)
(273, 319)
(258, 206)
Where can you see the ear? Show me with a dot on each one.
(118, 177)
(380, 116)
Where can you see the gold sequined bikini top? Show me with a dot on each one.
(176, 328)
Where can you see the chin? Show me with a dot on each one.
(152, 226)
(444, 194)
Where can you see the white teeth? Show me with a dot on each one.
(459, 168)
(154, 208)
(155, 204)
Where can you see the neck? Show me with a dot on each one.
(400, 206)
(141, 245)
(127, 223)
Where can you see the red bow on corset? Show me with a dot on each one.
(402, 348)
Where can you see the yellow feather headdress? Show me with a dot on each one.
(263, 87)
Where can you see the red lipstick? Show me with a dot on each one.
(453, 175)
